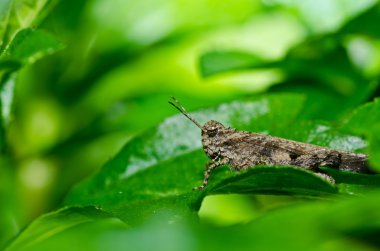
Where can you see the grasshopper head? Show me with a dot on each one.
(212, 128)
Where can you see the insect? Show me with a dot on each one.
(242, 150)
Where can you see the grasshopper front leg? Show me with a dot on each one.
(210, 166)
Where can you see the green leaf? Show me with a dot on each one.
(315, 226)
(273, 180)
(30, 45)
(54, 223)
(353, 183)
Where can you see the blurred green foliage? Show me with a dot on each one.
(80, 80)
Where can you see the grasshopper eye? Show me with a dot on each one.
(212, 132)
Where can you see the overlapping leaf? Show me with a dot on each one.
(309, 226)
(55, 223)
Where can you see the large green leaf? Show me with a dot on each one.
(318, 225)
(165, 163)
(158, 169)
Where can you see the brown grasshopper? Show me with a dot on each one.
(242, 150)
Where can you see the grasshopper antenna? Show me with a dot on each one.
(182, 110)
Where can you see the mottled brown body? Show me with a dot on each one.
(242, 150)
